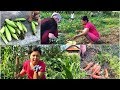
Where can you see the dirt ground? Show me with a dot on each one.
(90, 57)
(112, 38)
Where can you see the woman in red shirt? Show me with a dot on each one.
(34, 68)
(90, 31)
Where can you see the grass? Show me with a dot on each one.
(103, 22)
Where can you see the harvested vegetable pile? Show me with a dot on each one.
(15, 29)
(107, 63)
(20, 31)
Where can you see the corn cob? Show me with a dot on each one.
(12, 30)
(18, 31)
(33, 28)
(19, 25)
(36, 23)
(11, 23)
(4, 38)
(24, 28)
(2, 29)
(20, 19)
(14, 36)
(8, 35)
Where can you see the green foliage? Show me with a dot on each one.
(7, 60)
(60, 64)
(103, 20)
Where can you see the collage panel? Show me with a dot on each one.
(70, 62)
(20, 27)
(80, 27)
(100, 61)
(47, 61)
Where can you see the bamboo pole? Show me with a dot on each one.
(17, 66)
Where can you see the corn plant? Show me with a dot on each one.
(59, 64)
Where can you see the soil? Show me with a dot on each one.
(112, 38)
(90, 57)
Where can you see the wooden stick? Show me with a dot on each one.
(17, 66)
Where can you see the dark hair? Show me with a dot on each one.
(85, 18)
(35, 49)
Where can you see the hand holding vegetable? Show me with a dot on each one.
(36, 68)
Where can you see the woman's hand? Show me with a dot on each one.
(16, 76)
(75, 37)
(22, 73)
(37, 73)
(51, 36)
(36, 68)
(77, 31)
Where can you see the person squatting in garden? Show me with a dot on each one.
(34, 68)
(90, 31)
(49, 28)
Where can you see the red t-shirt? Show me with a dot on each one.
(92, 29)
(30, 72)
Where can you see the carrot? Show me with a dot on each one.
(97, 70)
(94, 67)
(98, 73)
(97, 77)
(88, 66)
(106, 73)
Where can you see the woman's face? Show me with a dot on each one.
(56, 19)
(34, 57)
(83, 22)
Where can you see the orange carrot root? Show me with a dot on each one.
(88, 66)
(106, 73)
(97, 77)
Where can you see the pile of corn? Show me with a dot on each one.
(15, 29)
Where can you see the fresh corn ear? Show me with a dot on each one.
(8, 35)
(33, 28)
(12, 30)
(11, 23)
(2, 29)
(24, 28)
(19, 25)
(15, 36)
(36, 23)
(18, 31)
(3, 38)
(20, 19)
